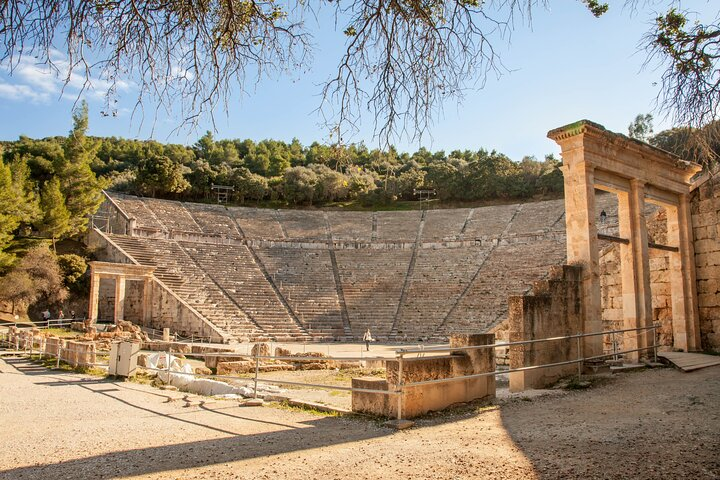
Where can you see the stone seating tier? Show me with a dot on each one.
(267, 282)
(177, 271)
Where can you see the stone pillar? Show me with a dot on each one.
(582, 243)
(147, 302)
(94, 297)
(686, 332)
(635, 270)
(119, 298)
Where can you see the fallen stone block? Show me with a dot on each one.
(229, 368)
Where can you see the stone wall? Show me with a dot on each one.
(611, 287)
(167, 309)
(705, 214)
(417, 400)
(552, 310)
(705, 210)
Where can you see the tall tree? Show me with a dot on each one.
(23, 188)
(57, 219)
(81, 187)
(9, 219)
(642, 127)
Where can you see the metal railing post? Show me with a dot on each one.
(167, 366)
(655, 343)
(257, 369)
(579, 356)
(614, 345)
(400, 386)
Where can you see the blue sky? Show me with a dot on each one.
(567, 66)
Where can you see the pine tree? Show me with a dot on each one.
(57, 217)
(9, 220)
(79, 184)
(23, 188)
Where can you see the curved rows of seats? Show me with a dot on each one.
(328, 291)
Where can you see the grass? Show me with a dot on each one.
(584, 383)
(301, 408)
(142, 378)
(61, 332)
(350, 373)
(51, 363)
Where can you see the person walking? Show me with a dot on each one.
(367, 338)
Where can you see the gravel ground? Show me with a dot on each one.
(652, 424)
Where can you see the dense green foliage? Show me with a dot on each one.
(50, 185)
(296, 174)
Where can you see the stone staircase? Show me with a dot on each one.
(179, 273)
(234, 270)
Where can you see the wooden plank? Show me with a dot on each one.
(612, 238)
(659, 246)
(690, 361)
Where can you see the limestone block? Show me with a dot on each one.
(53, 345)
(208, 349)
(659, 276)
(704, 219)
(709, 300)
(203, 371)
(261, 349)
(229, 368)
(704, 246)
(715, 325)
(613, 315)
(707, 206)
(282, 352)
(661, 301)
(663, 289)
(711, 286)
(172, 347)
(614, 291)
(707, 273)
(709, 313)
(702, 233)
(662, 315)
(712, 341)
(372, 403)
(659, 262)
(213, 361)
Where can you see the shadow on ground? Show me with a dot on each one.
(232, 447)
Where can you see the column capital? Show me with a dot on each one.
(637, 183)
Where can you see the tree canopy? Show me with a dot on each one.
(402, 59)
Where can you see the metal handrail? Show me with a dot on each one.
(400, 353)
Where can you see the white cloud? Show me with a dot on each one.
(40, 83)
(22, 93)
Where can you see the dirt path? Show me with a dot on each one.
(652, 424)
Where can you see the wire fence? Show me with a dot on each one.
(24, 341)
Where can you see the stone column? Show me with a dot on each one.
(147, 302)
(119, 298)
(94, 297)
(635, 270)
(582, 243)
(686, 332)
